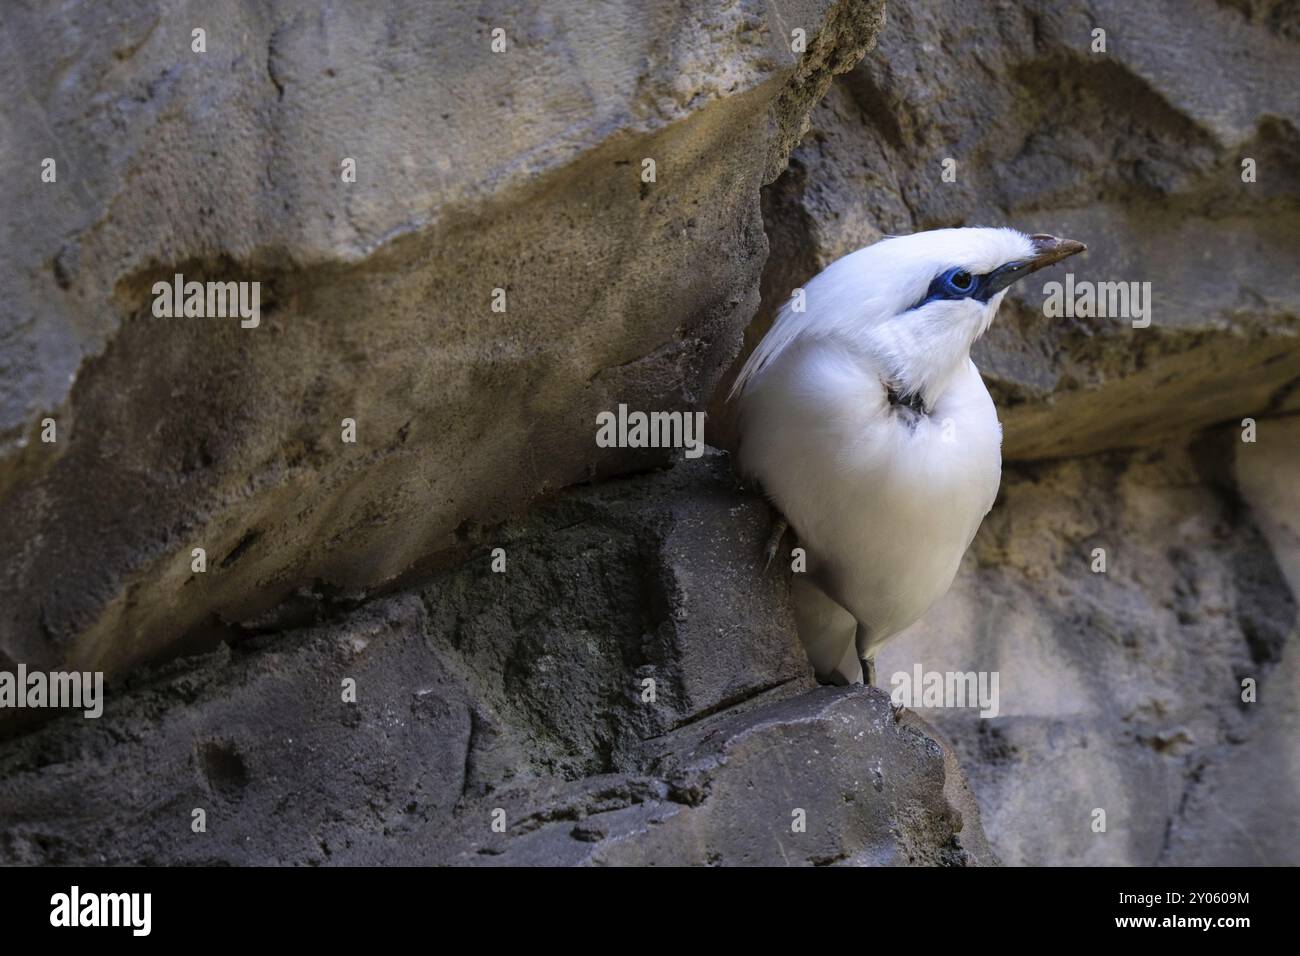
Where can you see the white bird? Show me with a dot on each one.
(867, 424)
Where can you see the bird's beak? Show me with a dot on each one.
(1048, 250)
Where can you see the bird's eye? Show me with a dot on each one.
(961, 281)
(955, 284)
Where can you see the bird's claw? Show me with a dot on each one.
(774, 541)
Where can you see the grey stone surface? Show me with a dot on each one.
(522, 691)
(1123, 690)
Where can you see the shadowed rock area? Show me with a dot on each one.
(628, 690)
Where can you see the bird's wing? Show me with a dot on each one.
(787, 327)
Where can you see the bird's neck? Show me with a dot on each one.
(899, 398)
(924, 386)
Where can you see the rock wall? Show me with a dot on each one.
(525, 692)
(476, 171)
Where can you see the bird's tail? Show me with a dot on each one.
(827, 632)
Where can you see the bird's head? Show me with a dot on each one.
(914, 305)
(927, 297)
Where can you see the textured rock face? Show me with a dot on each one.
(1119, 691)
(523, 692)
(476, 171)
(1123, 691)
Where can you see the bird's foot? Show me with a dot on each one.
(898, 710)
(869, 671)
(774, 540)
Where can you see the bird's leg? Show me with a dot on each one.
(862, 640)
(774, 539)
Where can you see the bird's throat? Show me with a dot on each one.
(913, 401)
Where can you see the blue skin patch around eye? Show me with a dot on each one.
(958, 283)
